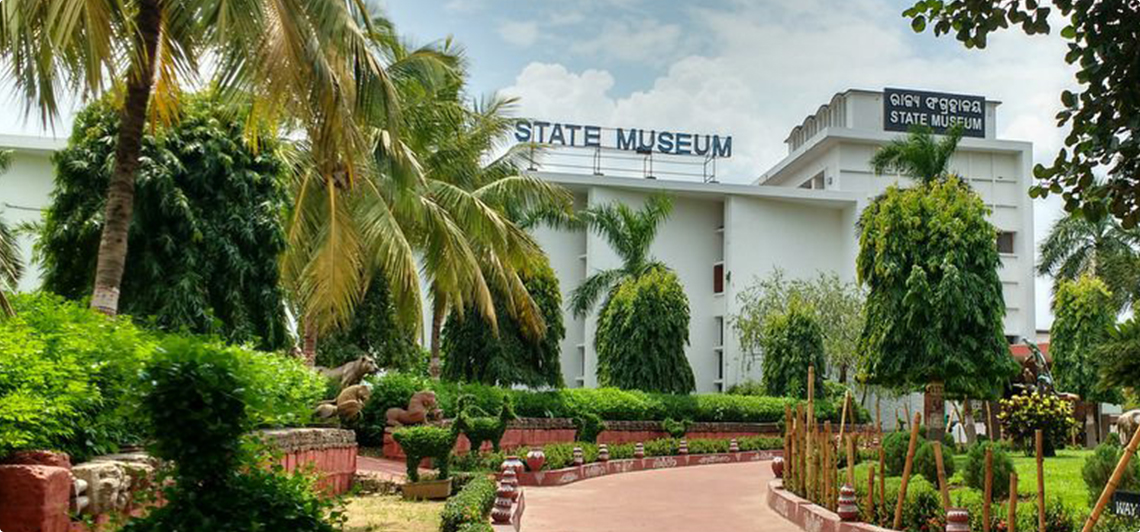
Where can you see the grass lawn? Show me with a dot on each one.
(391, 513)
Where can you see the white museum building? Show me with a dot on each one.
(798, 216)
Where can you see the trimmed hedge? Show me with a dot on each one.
(472, 505)
(610, 404)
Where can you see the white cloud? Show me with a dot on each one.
(636, 40)
(519, 33)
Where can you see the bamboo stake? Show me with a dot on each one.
(811, 419)
(883, 472)
(851, 461)
(801, 449)
(1110, 488)
(906, 470)
(990, 424)
(942, 487)
(843, 414)
(1011, 520)
(989, 491)
(789, 430)
(1040, 481)
(871, 492)
(829, 482)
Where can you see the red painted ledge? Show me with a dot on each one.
(568, 475)
(809, 516)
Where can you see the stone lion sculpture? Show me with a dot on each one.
(1126, 425)
(351, 373)
(348, 404)
(421, 408)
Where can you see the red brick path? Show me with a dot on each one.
(728, 497)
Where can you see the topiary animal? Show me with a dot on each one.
(425, 441)
(479, 427)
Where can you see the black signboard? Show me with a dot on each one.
(904, 109)
(1126, 503)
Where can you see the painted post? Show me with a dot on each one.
(871, 492)
(1040, 480)
(1011, 519)
(906, 470)
(851, 460)
(942, 487)
(987, 501)
(1113, 481)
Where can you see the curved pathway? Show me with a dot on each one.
(729, 497)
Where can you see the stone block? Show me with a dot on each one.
(34, 498)
(45, 458)
(108, 486)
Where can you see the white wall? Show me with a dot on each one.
(24, 190)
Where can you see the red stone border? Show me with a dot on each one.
(809, 516)
(568, 475)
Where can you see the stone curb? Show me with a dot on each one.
(569, 475)
(809, 516)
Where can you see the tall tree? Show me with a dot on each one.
(934, 309)
(1104, 41)
(11, 265)
(793, 342)
(1084, 313)
(919, 155)
(1077, 246)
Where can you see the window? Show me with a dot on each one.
(581, 378)
(815, 183)
(1005, 242)
(719, 331)
(718, 278)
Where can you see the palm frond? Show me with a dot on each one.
(583, 298)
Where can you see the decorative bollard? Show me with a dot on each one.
(535, 459)
(511, 481)
(603, 453)
(733, 447)
(639, 451)
(848, 510)
(957, 520)
(778, 466)
(683, 448)
(501, 513)
(579, 458)
(513, 462)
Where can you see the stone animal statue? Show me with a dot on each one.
(348, 404)
(1126, 425)
(479, 427)
(421, 408)
(351, 373)
(1035, 374)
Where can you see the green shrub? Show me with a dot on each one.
(374, 330)
(922, 507)
(1098, 468)
(471, 505)
(926, 465)
(391, 390)
(1023, 414)
(588, 426)
(474, 423)
(1058, 517)
(676, 429)
(196, 402)
(425, 441)
(642, 333)
(477, 527)
(895, 446)
(792, 341)
(975, 473)
(748, 387)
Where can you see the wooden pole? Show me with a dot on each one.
(1011, 519)
(990, 424)
(851, 461)
(1113, 481)
(906, 469)
(811, 420)
(801, 449)
(1040, 480)
(883, 471)
(826, 469)
(789, 431)
(989, 491)
(942, 484)
(871, 492)
(843, 414)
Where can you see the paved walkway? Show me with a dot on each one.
(723, 497)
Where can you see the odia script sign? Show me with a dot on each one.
(904, 109)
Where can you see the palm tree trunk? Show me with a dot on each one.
(121, 190)
(438, 311)
(968, 421)
(309, 342)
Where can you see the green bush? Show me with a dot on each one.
(425, 441)
(895, 446)
(792, 341)
(588, 426)
(926, 465)
(479, 427)
(922, 507)
(676, 429)
(1058, 517)
(1023, 414)
(471, 505)
(1098, 468)
(477, 527)
(642, 333)
(375, 331)
(196, 402)
(975, 473)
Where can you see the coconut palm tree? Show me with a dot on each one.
(313, 61)
(11, 266)
(1077, 246)
(919, 155)
(630, 233)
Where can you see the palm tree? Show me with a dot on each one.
(11, 266)
(629, 233)
(1077, 246)
(919, 155)
(308, 60)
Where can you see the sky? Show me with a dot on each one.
(750, 69)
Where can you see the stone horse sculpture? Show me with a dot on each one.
(352, 372)
(421, 408)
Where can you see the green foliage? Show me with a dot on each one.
(935, 307)
(1083, 313)
(1023, 414)
(919, 155)
(588, 426)
(11, 263)
(676, 429)
(975, 472)
(196, 402)
(470, 506)
(792, 342)
(922, 507)
(205, 232)
(837, 306)
(926, 465)
(1059, 517)
(474, 423)
(1100, 116)
(642, 333)
(1099, 466)
(475, 354)
(895, 446)
(425, 441)
(374, 330)
(1120, 357)
(1077, 247)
